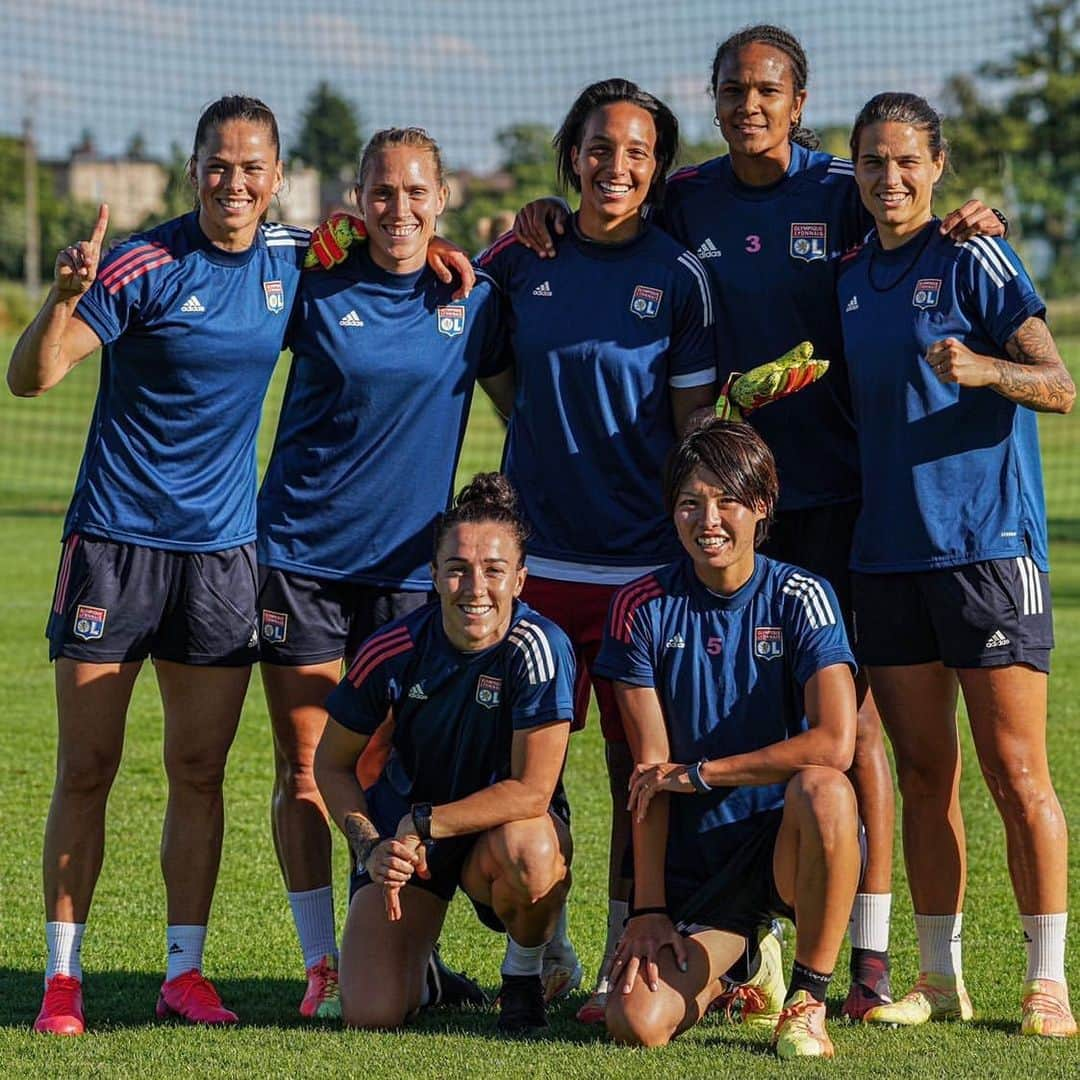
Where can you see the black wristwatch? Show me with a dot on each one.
(421, 817)
(1003, 219)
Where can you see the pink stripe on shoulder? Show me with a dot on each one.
(685, 173)
(377, 650)
(134, 264)
(501, 244)
(626, 603)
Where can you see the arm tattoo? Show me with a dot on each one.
(362, 836)
(1035, 375)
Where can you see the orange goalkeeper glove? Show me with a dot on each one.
(331, 240)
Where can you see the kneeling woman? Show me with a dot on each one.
(734, 677)
(480, 690)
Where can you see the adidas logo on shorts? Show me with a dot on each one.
(192, 303)
(852, 304)
(676, 642)
(543, 289)
(416, 692)
(997, 640)
(352, 319)
(708, 250)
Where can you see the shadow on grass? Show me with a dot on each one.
(125, 999)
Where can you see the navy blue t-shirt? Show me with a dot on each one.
(372, 422)
(600, 336)
(455, 713)
(951, 475)
(730, 673)
(772, 254)
(191, 335)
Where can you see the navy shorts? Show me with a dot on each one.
(984, 614)
(118, 602)
(819, 540)
(306, 620)
(739, 894)
(445, 858)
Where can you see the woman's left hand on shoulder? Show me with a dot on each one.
(974, 218)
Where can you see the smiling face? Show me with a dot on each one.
(236, 173)
(615, 163)
(478, 573)
(757, 104)
(896, 171)
(401, 199)
(717, 531)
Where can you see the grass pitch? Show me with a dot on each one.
(252, 953)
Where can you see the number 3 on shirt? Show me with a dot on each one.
(753, 243)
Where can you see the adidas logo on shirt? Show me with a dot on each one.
(997, 640)
(676, 642)
(416, 692)
(543, 289)
(852, 304)
(352, 319)
(708, 250)
(192, 303)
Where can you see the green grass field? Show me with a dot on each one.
(252, 953)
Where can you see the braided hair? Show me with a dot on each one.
(487, 497)
(786, 42)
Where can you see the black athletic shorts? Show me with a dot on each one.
(117, 602)
(984, 614)
(445, 858)
(819, 540)
(306, 620)
(739, 892)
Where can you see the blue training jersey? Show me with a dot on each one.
(600, 336)
(191, 335)
(372, 422)
(951, 475)
(730, 673)
(455, 713)
(772, 254)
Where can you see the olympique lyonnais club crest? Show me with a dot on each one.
(451, 319)
(768, 642)
(275, 296)
(645, 303)
(90, 622)
(808, 240)
(927, 291)
(488, 691)
(275, 625)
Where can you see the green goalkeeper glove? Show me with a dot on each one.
(793, 371)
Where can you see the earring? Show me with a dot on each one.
(716, 121)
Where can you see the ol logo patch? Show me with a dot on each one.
(808, 240)
(488, 691)
(927, 291)
(275, 626)
(90, 622)
(275, 297)
(450, 319)
(645, 303)
(768, 642)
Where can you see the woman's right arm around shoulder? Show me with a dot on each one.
(55, 341)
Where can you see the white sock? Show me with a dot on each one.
(185, 949)
(64, 942)
(560, 944)
(522, 959)
(313, 913)
(1044, 939)
(939, 944)
(617, 910)
(869, 925)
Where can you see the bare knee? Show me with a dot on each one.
(1021, 791)
(527, 857)
(294, 778)
(373, 1012)
(640, 1018)
(821, 793)
(85, 772)
(199, 771)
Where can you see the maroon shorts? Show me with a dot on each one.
(581, 609)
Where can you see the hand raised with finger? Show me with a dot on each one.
(77, 265)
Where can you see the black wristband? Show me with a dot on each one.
(421, 816)
(1003, 219)
(693, 774)
(660, 909)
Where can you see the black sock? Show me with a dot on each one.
(813, 982)
(860, 955)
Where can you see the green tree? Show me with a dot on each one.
(330, 138)
(1027, 148)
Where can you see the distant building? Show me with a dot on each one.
(133, 189)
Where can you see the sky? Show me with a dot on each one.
(461, 68)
